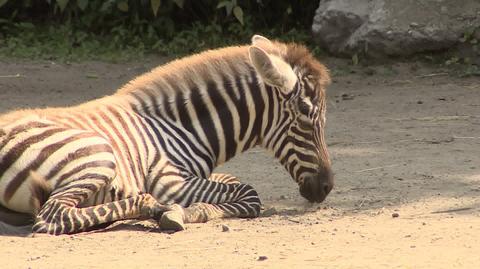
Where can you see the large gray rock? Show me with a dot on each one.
(381, 28)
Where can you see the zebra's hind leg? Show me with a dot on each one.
(58, 216)
(61, 214)
(212, 199)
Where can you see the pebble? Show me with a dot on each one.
(225, 228)
(269, 212)
(347, 96)
(395, 215)
(262, 258)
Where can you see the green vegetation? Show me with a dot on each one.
(464, 61)
(118, 30)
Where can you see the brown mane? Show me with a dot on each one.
(189, 69)
(299, 56)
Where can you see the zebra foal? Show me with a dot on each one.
(148, 151)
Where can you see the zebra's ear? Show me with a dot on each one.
(272, 69)
(260, 41)
(265, 44)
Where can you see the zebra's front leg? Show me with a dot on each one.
(213, 199)
(224, 178)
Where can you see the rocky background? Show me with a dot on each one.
(383, 28)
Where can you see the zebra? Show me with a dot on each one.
(148, 151)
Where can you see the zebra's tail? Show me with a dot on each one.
(40, 191)
(20, 224)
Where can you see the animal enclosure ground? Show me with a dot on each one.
(404, 141)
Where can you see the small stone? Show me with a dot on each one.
(225, 228)
(395, 215)
(262, 258)
(419, 102)
(283, 197)
(347, 96)
(269, 212)
(414, 24)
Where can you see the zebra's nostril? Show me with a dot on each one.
(327, 188)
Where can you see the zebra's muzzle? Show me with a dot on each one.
(316, 187)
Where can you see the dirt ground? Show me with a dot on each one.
(404, 139)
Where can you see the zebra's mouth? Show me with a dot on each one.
(315, 188)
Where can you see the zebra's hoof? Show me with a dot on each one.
(172, 221)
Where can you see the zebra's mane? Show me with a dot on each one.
(192, 68)
(235, 59)
(298, 56)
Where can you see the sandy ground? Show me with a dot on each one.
(401, 142)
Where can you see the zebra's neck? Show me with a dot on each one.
(213, 115)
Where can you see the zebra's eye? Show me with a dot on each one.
(303, 107)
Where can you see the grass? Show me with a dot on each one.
(65, 44)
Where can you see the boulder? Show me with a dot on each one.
(380, 28)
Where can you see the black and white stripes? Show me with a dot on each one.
(157, 140)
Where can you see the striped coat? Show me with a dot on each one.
(148, 151)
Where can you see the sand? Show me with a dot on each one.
(404, 140)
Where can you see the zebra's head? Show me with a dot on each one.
(296, 136)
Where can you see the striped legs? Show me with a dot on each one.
(224, 178)
(239, 200)
(221, 196)
(68, 207)
(58, 216)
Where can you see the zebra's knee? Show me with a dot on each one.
(54, 218)
(40, 227)
(249, 196)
